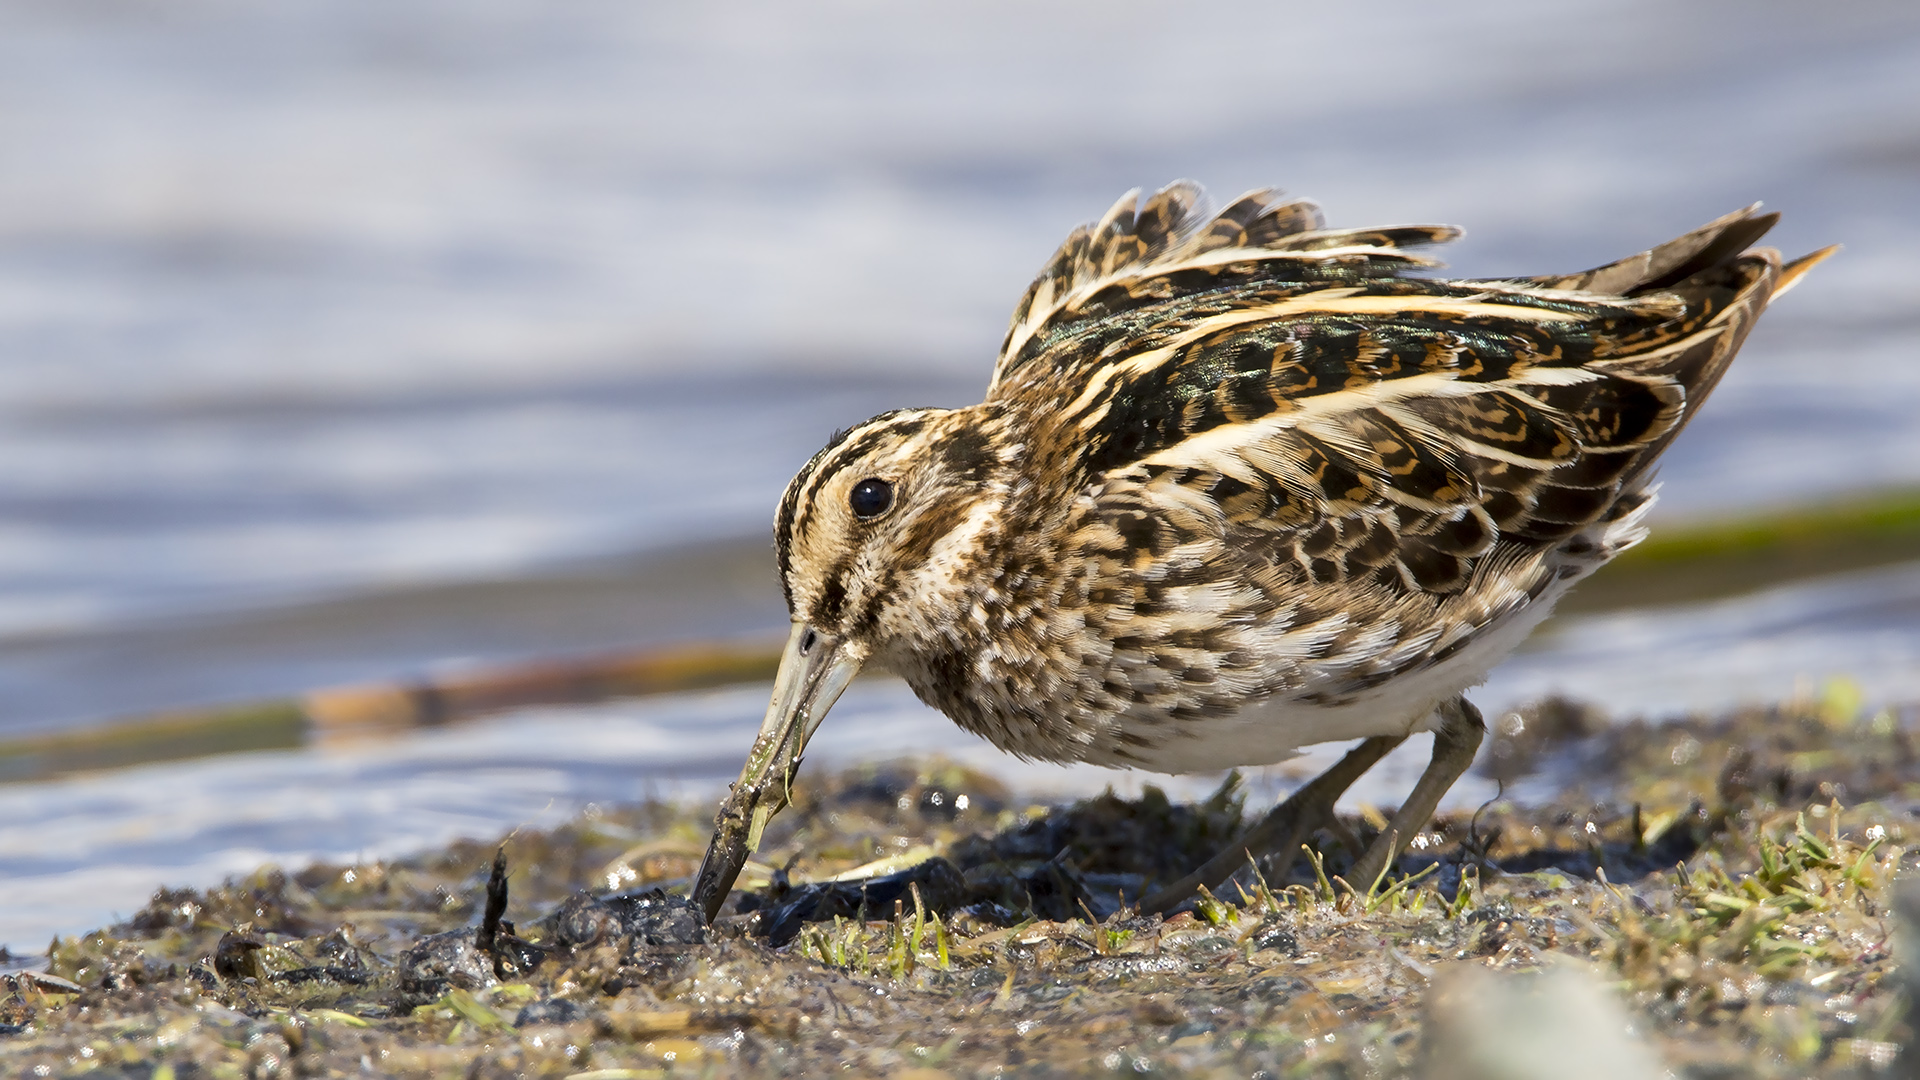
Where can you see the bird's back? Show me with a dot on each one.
(1284, 490)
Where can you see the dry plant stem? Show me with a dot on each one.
(1281, 832)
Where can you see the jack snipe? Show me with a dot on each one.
(1240, 484)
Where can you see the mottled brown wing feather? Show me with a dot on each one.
(1141, 255)
(1396, 430)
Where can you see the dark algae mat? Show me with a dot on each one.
(1712, 897)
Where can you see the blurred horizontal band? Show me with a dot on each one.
(1684, 562)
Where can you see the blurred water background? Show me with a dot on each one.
(348, 341)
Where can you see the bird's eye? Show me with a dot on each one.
(871, 497)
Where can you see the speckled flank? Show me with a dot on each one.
(1238, 466)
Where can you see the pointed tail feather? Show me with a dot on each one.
(1672, 262)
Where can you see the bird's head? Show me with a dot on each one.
(881, 538)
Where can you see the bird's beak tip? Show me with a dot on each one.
(815, 669)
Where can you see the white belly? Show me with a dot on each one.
(1272, 730)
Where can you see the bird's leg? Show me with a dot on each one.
(1285, 827)
(1454, 743)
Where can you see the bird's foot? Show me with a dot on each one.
(1276, 840)
(1455, 742)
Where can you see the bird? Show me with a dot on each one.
(1243, 483)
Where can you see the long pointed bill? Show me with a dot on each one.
(814, 669)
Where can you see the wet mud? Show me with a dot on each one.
(1726, 882)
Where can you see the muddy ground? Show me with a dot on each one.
(1727, 881)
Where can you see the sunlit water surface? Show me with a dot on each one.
(319, 297)
(315, 299)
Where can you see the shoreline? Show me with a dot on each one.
(1754, 850)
